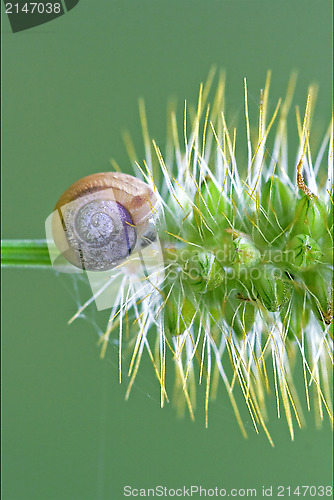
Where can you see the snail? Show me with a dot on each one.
(103, 218)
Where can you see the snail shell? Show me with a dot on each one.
(101, 219)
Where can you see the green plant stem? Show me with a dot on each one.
(25, 253)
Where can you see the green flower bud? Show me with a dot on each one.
(211, 212)
(310, 217)
(272, 290)
(320, 285)
(187, 315)
(171, 314)
(213, 200)
(203, 272)
(295, 315)
(246, 253)
(239, 315)
(179, 312)
(277, 199)
(303, 252)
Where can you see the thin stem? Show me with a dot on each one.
(25, 253)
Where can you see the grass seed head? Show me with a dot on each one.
(247, 255)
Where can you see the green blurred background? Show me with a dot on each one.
(69, 89)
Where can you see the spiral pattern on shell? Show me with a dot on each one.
(101, 218)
